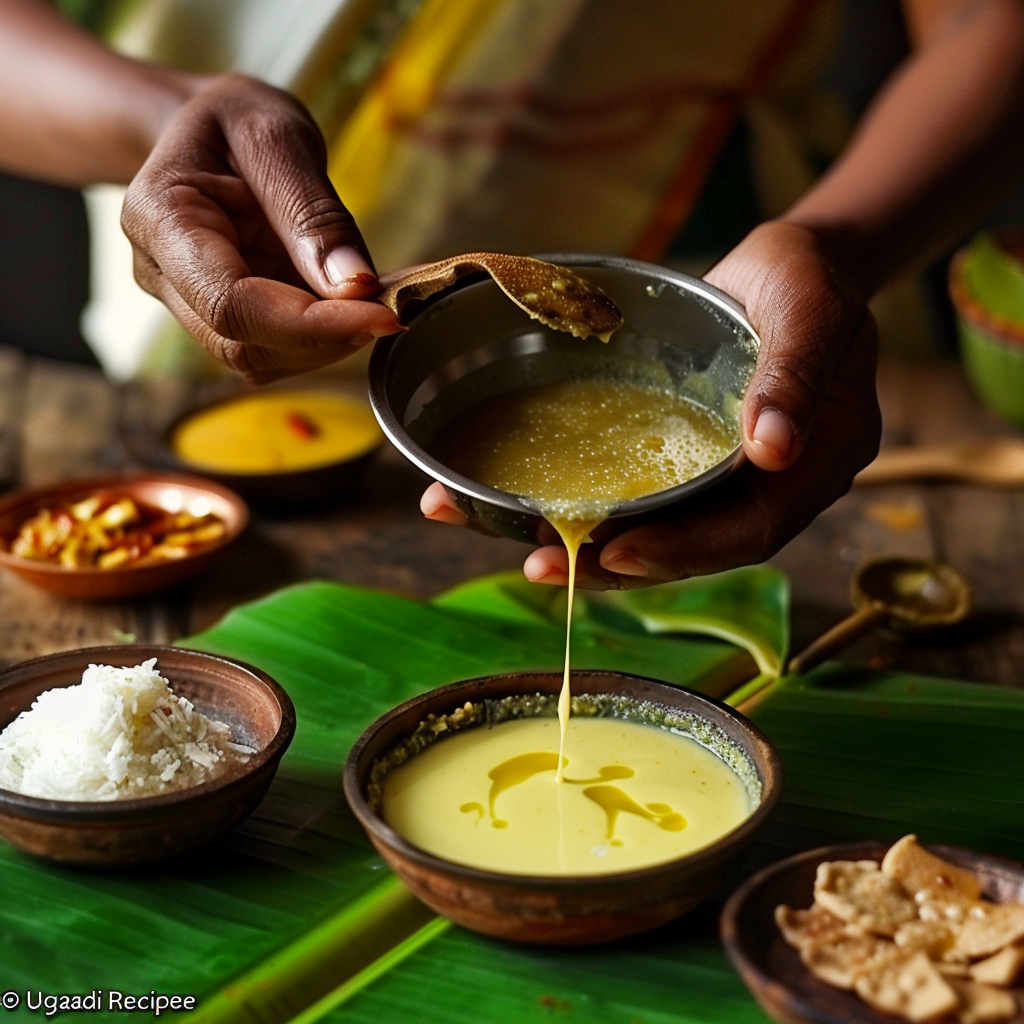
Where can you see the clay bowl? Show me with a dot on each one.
(560, 910)
(166, 490)
(772, 969)
(115, 833)
(276, 492)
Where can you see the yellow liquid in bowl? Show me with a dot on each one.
(580, 448)
(277, 432)
(632, 795)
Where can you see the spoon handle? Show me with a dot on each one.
(988, 462)
(839, 636)
(894, 465)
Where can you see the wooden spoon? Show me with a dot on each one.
(988, 462)
(910, 593)
(551, 294)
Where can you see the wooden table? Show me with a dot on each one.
(60, 420)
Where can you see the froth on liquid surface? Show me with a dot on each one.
(632, 795)
(579, 448)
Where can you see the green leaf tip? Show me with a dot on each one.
(748, 607)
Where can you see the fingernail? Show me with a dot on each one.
(374, 333)
(446, 514)
(548, 575)
(774, 432)
(449, 516)
(627, 564)
(346, 265)
(437, 509)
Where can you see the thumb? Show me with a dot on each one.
(805, 318)
(281, 154)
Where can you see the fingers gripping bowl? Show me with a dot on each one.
(470, 345)
(564, 908)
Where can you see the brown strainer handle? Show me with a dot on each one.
(839, 636)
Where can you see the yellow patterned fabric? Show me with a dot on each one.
(557, 125)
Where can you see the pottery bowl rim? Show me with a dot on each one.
(444, 699)
(998, 329)
(69, 813)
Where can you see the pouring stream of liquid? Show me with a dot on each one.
(573, 533)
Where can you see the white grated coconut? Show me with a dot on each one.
(120, 733)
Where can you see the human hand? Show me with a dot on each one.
(236, 227)
(810, 422)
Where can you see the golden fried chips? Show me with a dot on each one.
(912, 937)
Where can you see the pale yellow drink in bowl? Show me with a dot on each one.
(662, 789)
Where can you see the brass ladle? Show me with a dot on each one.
(911, 594)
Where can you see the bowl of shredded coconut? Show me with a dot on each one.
(132, 754)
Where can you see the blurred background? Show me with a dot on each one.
(45, 235)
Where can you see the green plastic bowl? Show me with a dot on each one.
(991, 343)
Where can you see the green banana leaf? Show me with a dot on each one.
(300, 866)
(873, 755)
(865, 755)
(675, 976)
(748, 607)
(295, 909)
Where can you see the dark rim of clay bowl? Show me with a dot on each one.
(382, 373)
(289, 487)
(260, 712)
(523, 694)
(773, 971)
(122, 580)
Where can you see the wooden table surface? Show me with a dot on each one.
(59, 421)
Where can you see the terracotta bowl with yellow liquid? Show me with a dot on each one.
(559, 909)
(468, 347)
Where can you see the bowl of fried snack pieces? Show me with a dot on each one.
(862, 934)
(117, 536)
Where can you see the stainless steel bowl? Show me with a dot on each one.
(471, 343)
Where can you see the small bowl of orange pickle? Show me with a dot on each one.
(117, 536)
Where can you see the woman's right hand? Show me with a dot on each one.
(236, 227)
